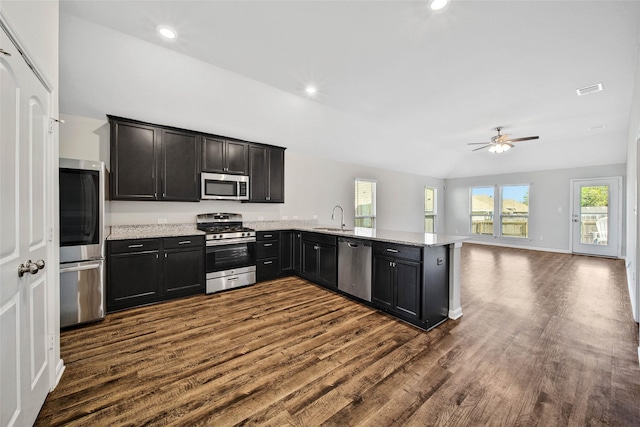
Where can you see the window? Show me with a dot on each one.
(365, 192)
(514, 216)
(482, 207)
(430, 206)
(512, 203)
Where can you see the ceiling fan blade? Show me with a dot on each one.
(526, 138)
(503, 137)
(481, 148)
(479, 143)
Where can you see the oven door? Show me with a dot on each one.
(230, 256)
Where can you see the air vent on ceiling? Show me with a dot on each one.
(589, 89)
(597, 127)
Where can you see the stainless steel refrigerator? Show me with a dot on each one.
(82, 199)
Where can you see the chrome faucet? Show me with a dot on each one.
(333, 216)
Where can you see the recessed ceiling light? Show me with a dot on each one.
(311, 90)
(167, 32)
(438, 4)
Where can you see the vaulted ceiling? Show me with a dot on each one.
(434, 80)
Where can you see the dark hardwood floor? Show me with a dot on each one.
(546, 339)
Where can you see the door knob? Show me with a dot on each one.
(30, 267)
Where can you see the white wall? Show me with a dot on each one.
(633, 195)
(550, 205)
(313, 186)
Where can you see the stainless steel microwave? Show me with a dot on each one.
(217, 186)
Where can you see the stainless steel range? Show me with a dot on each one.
(230, 251)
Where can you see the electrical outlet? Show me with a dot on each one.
(315, 217)
(285, 217)
(295, 217)
(260, 218)
(541, 237)
(162, 220)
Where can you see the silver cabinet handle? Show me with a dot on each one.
(268, 262)
(266, 245)
(184, 242)
(267, 235)
(392, 250)
(135, 246)
(4, 52)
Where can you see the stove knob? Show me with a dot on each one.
(220, 236)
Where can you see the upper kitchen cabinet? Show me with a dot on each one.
(150, 162)
(266, 172)
(225, 156)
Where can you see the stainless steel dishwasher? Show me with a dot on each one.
(354, 267)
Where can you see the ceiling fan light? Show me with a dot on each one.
(438, 4)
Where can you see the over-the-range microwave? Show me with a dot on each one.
(217, 186)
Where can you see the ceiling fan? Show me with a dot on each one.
(500, 143)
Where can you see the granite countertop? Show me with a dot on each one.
(390, 236)
(124, 232)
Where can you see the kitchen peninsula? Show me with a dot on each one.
(415, 276)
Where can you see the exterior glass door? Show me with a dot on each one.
(595, 216)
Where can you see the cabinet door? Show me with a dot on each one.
(213, 154)
(297, 251)
(133, 279)
(237, 158)
(179, 166)
(183, 272)
(382, 292)
(276, 175)
(309, 260)
(258, 178)
(286, 251)
(407, 288)
(134, 155)
(328, 265)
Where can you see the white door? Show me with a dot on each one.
(596, 216)
(24, 135)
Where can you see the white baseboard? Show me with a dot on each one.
(59, 371)
(455, 314)
(507, 245)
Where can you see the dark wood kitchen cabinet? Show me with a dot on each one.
(145, 271)
(319, 262)
(397, 280)
(225, 156)
(150, 162)
(267, 255)
(266, 174)
(290, 252)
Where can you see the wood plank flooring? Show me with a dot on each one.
(546, 339)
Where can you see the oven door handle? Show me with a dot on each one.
(231, 241)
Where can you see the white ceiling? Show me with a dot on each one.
(434, 80)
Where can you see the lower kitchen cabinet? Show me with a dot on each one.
(267, 255)
(397, 280)
(290, 252)
(144, 271)
(320, 259)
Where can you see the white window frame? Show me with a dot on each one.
(433, 213)
(373, 202)
(497, 211)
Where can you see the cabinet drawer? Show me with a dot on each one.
(412, 253)
(183, 242)
(267, 249)
(267, 235)
(134, 245)
(327, 239)
(267, 269)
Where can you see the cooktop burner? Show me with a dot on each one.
(223, 226)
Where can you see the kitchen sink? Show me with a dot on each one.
(332, 229)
